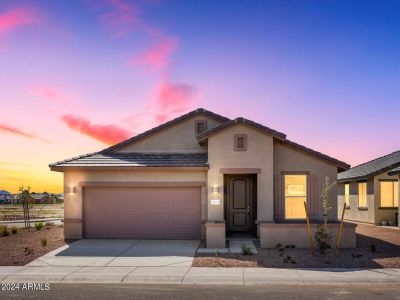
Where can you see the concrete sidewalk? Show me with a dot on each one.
(195, 275)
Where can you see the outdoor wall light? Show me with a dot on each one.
(71, 189)
(215, 189)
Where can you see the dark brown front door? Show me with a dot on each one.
(239, 203)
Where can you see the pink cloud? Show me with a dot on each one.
(158, 55)
(108, 134)
(172, 99)
(45, 91)
(13, 130)
(16, 17)
(119, 16)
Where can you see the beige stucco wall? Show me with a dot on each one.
(73, 201)
(373, 214)
(353, 212)
(288, 159)
(297, 235)
(178, 138)
(259, 154)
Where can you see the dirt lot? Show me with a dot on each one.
(386, 242)
(10, 212)
(12, 247)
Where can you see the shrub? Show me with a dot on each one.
(4, 230)
(245, 249)
(44, 242)
(289, 259)
(28, 251)
(323, 237)
(50, 224)
(39, 225)
(14, 230)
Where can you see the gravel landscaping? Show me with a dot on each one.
(377, 247)
(26, 245)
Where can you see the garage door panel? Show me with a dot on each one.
(170, 213)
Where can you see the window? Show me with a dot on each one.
(362, 194)
(200, 126)
(295, 195)
(240, 142)
(347, 194)
(389, 194)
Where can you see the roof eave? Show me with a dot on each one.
(158, 168)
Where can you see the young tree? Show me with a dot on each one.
(326, 187)
(26, 198)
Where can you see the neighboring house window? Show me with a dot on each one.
(347, 194)
(389, 194)
(362, 194)
(295, 195)
(240, 142)
(201, 126)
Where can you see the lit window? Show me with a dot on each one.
(362, 194)
(240, 142)
(295, 195)
(347, 194)
(389, 194)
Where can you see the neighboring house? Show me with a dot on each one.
(37, 198)
(371, 195)
(200, 176)
(396, 172)
(6, 197)
(43, 198)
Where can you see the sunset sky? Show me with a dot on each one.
(77, 76)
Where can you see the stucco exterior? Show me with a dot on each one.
(373, 213)
(179, 138)
(266, 157)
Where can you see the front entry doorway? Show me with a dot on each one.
(241, 204)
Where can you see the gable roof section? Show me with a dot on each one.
(205, 135)
(173, 122)
(341, 164)
(135, 160)
(371, 168)
(395, 172)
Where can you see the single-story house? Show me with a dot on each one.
(370, 194)
(200, 176)
(396, 172)
(6, 197)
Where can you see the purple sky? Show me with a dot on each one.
(76, 76)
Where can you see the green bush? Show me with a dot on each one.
(44, 242)
(245, 249)
(14, 230)
(323, 237)
(39, 225)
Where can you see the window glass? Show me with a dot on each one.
(295, 195)
(389, 194)
(347, 194)
(362, 194)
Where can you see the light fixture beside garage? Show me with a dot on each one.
(215, 189)
(71, 189)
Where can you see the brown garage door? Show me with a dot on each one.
(153, 213)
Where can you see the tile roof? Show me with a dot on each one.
(335, 161)
(371, 168)
(204, 135)
(395, 172)
(166, 125)
(136, 160)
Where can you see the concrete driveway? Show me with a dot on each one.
(121, 253)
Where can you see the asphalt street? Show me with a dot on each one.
(119, 291)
